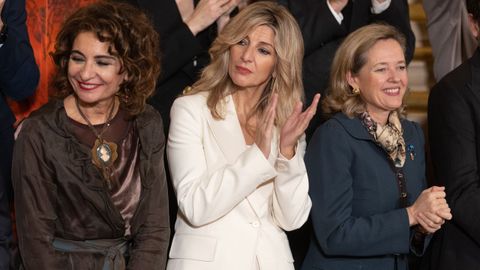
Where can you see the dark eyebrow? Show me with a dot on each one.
(97, 57)
(77, 52)
(105, 57)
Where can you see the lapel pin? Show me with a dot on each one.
(411, 151)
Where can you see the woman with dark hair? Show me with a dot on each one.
(89, 181)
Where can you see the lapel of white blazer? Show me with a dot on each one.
(227, 132)
(229, 136)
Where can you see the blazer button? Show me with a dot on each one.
(281, 167)
(255, 224)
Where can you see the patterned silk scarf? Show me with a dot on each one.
(389, 137)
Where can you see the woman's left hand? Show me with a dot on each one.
(295, 126)
(225, 18)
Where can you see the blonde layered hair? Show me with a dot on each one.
(351, 56)
(287, 73)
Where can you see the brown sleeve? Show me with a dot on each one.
(150, 243)
(35, 201)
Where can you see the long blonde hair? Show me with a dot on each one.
(351, 56)
(288, 45)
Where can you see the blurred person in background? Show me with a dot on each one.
(454, 129)
(452, 42)
(18, 80)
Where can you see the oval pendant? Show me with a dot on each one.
(104, 152)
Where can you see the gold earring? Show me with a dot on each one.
(187, 89)
(355, 91)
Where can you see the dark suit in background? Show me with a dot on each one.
(454, 135)
(323, 34)
(18, 80)
(182, 54)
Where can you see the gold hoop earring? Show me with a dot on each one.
(355, 91)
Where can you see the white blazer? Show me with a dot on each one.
(233, 202)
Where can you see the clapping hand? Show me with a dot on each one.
(264, 133)
(295, 126)
(207, 12)
(291, 131)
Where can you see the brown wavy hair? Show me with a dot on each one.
(287, 78)
(132, 39)
(351, 56)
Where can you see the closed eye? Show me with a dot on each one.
(76, 58)
(103, 63)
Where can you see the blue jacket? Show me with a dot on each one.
(18, 80)
(18, 71)
(356, 214)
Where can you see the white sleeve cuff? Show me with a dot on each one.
(338, 16)
(378, 8)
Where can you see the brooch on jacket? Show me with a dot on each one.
(411, 151)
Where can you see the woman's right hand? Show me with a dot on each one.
(430, 210)
(207, 12)
(264, 129)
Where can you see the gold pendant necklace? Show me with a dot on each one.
(104, 153)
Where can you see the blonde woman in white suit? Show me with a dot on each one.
(236, 148)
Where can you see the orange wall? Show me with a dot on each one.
(44, 19)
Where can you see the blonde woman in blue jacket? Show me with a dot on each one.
(366, 164)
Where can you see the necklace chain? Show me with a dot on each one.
(107, 122)
(104, 153)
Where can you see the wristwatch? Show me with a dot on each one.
(3, 34)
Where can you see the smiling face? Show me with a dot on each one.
(92, 71)
(252, 60)
(382, 80)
